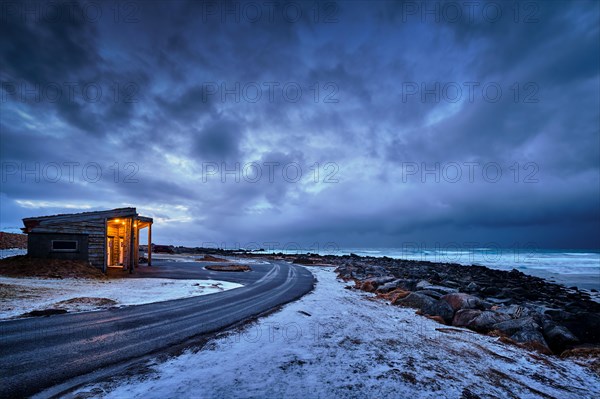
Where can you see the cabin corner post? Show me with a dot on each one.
(150, 244)
(131, 245)
(105, 257)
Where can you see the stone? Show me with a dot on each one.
(442, 309)
(497, 301)
(510, 327)
(414, 300)
(463, 317)
(558, 337)
(490, 291)
(431, 293)
(532, 338)
(451, 283)
(371, 284)
(396, 295)
(585, 326)
(472, 287)
(426, 285)
(481, 321)
(398, 283)
(485, 321)
(387, 287)
(423, 284)
(463, 301)
(515, 311)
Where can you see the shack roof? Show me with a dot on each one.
(66, 218)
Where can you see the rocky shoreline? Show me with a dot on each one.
(521, 309)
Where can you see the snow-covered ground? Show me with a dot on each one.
(22, 295)
(336, 343)
(5, 253)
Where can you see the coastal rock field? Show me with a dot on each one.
(521, 309)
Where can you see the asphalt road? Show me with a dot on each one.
(36, 353)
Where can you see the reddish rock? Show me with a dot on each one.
(368, 286)
(460, 301)
(395, 295)
(463, 317)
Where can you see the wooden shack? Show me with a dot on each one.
(103, 238)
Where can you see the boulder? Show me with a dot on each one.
(431, 293)
(463, 317)
(472, 287)
(442, 309)
(425, 285)
(427, 305)
(525, 330)
(585, 326)
(371, 284)
(451, 283)
(367, 285)
(558, 337)
(491, 291)
(485, 321)
(460, 301)
(415, 300)
(512, 326)
(404, 284)
(532, 338)
(481, 321)
(396, 295)
(498, 301)
(515, 311)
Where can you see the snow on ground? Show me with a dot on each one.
(338, 343)
(22, 295)
(5, 253)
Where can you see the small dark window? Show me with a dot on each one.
(64, 245)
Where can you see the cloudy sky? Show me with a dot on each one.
(354, 123)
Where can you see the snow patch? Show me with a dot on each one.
(5, 253)
(22, 295)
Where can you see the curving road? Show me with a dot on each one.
(37, 353)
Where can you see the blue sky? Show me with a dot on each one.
(354, 123)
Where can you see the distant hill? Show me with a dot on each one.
(11, 240)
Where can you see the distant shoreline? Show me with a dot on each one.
(583, 279)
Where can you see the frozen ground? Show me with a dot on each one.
(22, 295)
(336, 343)
(5, 253)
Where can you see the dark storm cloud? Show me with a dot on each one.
(173, 60)
(192, 104)
(44, 50)
(219, 141)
